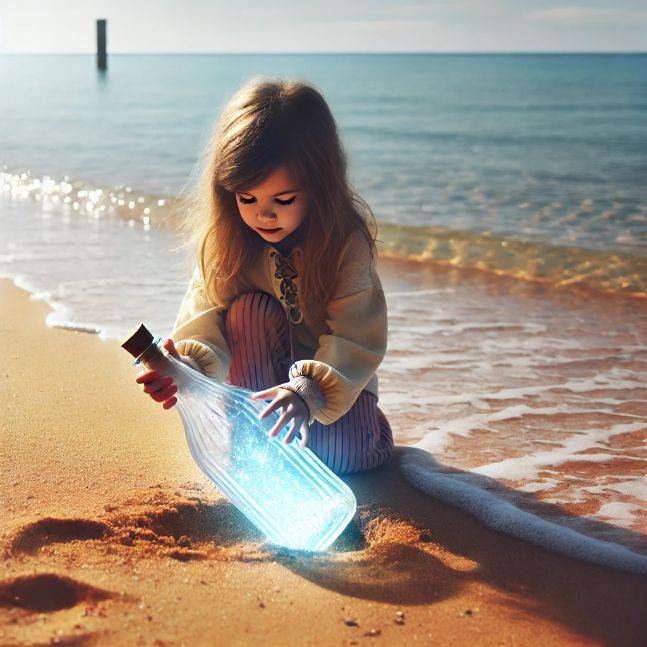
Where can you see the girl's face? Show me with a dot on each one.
(275, 208)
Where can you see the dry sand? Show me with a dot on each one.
(112, 535)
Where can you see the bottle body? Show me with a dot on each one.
(284, 490)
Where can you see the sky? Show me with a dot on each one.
(191, 26)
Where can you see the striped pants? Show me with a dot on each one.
(259, 339)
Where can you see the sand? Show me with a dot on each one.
(112, 535)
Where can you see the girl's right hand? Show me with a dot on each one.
(161, 388)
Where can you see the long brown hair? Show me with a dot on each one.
(271, 122)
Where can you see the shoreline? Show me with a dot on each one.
(605, 271)
(108, 518)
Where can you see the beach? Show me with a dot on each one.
(511, 210)
(112, 535)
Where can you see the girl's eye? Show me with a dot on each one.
(278, 200)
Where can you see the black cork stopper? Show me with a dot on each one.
(137, 340)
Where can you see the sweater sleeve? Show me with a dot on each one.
(199, 331)
(351, 352)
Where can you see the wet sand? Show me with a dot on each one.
(112, 535)
(539, 391)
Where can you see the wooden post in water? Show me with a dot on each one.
(101, 44)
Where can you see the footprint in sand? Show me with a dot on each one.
(183, 528)
(157, 523)
(31, 537)
(24, 596)
(48, 592)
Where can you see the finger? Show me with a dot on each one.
(161, 396)
(169, 403)
(267, 393)
(305, 433)
(164, 394)
(156, 385)
(147, 377)
(279, 424)
(169, 345)
(291, 433)
(272, 406)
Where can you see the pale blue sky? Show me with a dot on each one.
(60, 26)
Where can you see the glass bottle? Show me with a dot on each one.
(284, 490)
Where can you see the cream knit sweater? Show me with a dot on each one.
(334, 359)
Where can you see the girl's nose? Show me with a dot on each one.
(266, 215)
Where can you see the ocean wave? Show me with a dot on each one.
(607, 271)
(604, 270)
(82, 199)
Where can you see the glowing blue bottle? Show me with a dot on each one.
(284, 490)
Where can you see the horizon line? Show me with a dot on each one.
(330, 53)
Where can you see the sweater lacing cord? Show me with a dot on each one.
(286, 271)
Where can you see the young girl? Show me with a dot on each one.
(285, 299)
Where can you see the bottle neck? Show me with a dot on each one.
(152, 354)
(155, 358)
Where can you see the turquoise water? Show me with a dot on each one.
(548, 148)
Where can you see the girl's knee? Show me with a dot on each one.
(263, 307)
(357, 445)
(253, 300)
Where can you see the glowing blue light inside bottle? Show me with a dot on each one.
(284, 490)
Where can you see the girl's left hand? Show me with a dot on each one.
(294, 408)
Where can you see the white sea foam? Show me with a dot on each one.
(100, 278)
(636, 487)
(528, 466)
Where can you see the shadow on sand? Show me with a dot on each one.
(412, 548)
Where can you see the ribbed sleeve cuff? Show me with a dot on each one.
(189, 361)
(309, 390)
(206, 359)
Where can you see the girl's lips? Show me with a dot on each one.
(269, 231)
